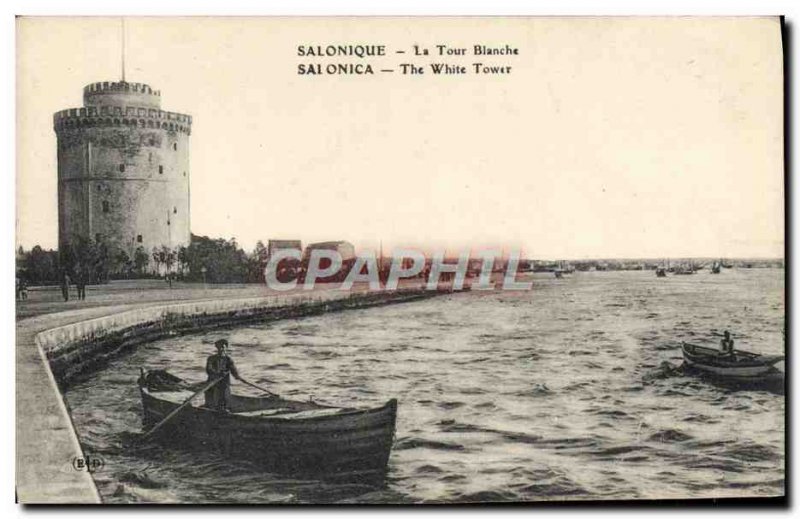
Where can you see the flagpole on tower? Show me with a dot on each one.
(122, 23)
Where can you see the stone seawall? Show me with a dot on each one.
(79, 348)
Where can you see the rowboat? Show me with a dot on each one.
(279, 435)
(740, 365)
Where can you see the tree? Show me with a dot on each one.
(183, 259)
(257, 262)
(157, 255)
(164, 256)
(167, 258)
(223, 260)
(140, 260)
(93, 261)
(85, 259)
(121, 263)
(40, 267)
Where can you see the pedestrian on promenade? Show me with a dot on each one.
(23, 289)
(80, 283)
(65, 286)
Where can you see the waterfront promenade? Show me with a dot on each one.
(45, 300)
(45, 438)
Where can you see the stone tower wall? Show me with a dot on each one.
(123, 169)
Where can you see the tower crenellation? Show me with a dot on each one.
(122, 115)
(126, 86)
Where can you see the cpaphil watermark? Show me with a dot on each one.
(289, 268)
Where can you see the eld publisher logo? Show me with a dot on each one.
(88, 463)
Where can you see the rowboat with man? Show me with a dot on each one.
(302, 438)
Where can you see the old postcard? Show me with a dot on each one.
(399, 260)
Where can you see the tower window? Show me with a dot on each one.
(160, 170)
(174, 210)
(175, 146)
(105, 206)
(97, 237)
(184, 173)
(138, 238)
(122, 168)
(98, 187)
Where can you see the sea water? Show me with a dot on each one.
(572, 390)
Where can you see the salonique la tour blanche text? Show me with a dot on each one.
(416, 60)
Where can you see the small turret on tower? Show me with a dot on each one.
(121, 93)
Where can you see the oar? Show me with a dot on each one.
(258, 387)
(176, 411)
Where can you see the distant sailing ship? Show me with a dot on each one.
(685, 270)
(661, 270)
(563, 268)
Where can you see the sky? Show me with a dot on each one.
(611, 137)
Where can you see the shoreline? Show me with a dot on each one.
(53, 349)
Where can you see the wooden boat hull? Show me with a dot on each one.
(742, 365)
(349, 443)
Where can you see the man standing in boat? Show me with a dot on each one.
(726, 344)
(220, 365)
